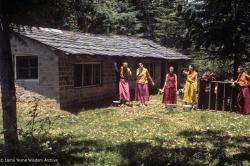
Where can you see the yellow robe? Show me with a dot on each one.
(190, 88)
(142, 77)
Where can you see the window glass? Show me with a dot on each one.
(87, 74)
(96, 74)
(26, 67)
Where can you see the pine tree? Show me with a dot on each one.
(221, 27)
(161, 21)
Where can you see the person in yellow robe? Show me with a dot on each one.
(190, 88)
(141, 88)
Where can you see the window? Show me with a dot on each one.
(151, 69)
(26, 67)
(87, 74)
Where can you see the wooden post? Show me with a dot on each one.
(201, 95)
(216, 98)
(231, 98)
(212, 96)
(220, 95)
(224, 98)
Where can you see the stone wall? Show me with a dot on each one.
(46, 88)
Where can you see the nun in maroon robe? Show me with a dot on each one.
(170, 88)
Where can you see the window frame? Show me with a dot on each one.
(15, 68)
(92, 64)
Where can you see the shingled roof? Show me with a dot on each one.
(92, 44)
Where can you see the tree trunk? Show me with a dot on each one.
(8, 91)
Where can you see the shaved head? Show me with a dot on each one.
(171, 69)
(140, 64)
(125, 64)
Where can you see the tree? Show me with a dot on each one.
(7, 88)
(221, 27)
(160, 21)
(117, 17)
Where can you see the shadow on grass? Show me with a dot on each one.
(66, 150)
(209, 147)
(221, 143)
(146, 154)
(77, 108)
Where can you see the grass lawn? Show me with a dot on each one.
(135, 136)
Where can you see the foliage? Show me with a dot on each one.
(117, 17)
(247, 67)
(161, 21)
(221, 27)
(203, 63)
(36, 131)
(154, 19)
(157, 20)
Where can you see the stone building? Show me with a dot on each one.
(68, 69)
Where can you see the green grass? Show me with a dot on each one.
(137, 136)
